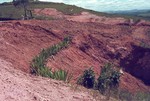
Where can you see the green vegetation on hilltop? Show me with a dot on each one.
(145, 14)
(7, 10)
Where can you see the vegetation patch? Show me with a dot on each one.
(87, 79)
(125, 95)
(108, 84)
(41, 17)
(107, 81)
(38, 64)
(7, 10)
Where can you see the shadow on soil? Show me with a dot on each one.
(137, 63)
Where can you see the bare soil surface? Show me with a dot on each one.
(16, 85)
(83, 17)
(94, 43)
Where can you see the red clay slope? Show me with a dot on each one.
(93, 44)
(16, 85)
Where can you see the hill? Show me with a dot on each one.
(96, 40)
(8, 11)
(92, 42)
(145, 14)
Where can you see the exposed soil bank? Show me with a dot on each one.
(138, 63)
(16, 85)
(93, 44)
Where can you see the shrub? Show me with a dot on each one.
(108, 79)
(87, 79)
(38, 66)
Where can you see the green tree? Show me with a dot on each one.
(22, 3)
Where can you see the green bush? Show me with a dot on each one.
(108, 79)
(108, 84)
(87, 79)
(38, 66)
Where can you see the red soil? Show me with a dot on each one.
(16, 85)
(93, 44)
(83, 17)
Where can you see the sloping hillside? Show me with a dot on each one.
(93, 44)
(19, 86)
(139, 13)
(96, 40)
(8, 11)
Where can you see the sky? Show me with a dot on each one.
(105, 5)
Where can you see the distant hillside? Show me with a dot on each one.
(8, 11)
(145, 14)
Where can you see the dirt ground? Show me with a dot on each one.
(16, 85)
(83, 17)
(94, 43)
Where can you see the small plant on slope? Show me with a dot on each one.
(87, 79)
(108, 80)
(38, 66)
(62, 75)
